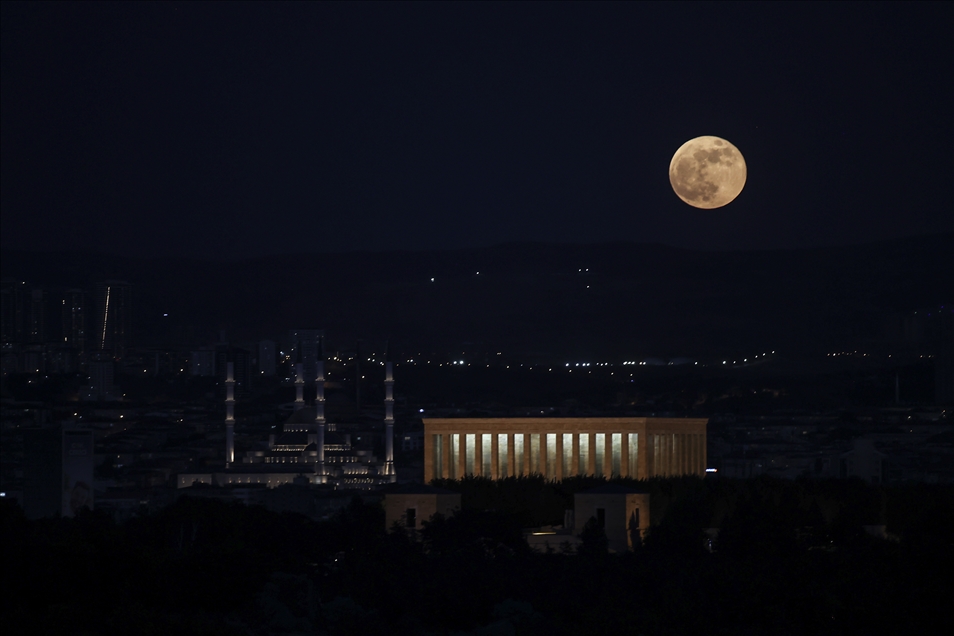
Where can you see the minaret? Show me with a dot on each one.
(299, 386)
(229, 414)
(320, 412)
(389, 416)
(357, 375)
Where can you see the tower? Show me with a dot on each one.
(389, 416)
(320, 411)
(299, 386)
(13, 310)
(36, 317)
(73, 307)
(230, 415)
(357, 375)
(113, 317)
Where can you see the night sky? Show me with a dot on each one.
(229, 130)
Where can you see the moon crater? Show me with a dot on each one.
(707, 172)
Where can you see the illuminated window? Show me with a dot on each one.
(617, 442)
(502, 456)
(470, 440)
(633, 454)
(485, 455)
(551, 456)
(584, 454)
(518, 453)
(535, 454)
(600, 452)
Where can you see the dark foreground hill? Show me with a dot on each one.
(612, 300)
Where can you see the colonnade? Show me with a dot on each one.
(634, 447)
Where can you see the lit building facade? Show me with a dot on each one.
(638, 447)
(73, 317)
(306, 348)
(113, 317)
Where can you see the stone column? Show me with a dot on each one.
(676, 454)
(666, 451)
(478, 454)
(461, 455)
(668, 455)
(642, 454)
(608, 455)
(654, 464)
(685, 453)
(543, 454)
(511, 456)
(526, 453)
(558, 472)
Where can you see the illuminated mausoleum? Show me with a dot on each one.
(639, 447)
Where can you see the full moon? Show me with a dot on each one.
(707, 172)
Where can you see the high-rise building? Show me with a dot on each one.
(305, 350)
(73, 317)
(113, 311)
(36, 317)
(267, 358)
(202, 362)
(13, 311)
(241, 360)
(102, 373)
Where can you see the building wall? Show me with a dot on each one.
(426, 505)
(862, 461)
(637, 447)
(42, 472)
(58, 471)
(619, 510)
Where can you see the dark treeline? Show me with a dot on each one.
(709, 503)
(791, 558)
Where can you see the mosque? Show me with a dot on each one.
(309, 449)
